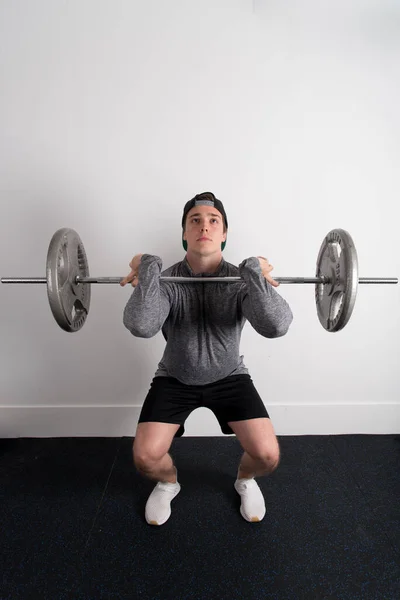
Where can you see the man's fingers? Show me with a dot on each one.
(267, 265)
(125, 280)
(266, 268)
(132, 277)
(273, 282)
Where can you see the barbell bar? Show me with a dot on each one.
(299, 280)
(68, 281)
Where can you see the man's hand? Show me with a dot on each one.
(133, 275)
(266, 268)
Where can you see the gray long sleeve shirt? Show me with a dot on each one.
(202, 322)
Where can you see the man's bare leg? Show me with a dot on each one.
(163, 470)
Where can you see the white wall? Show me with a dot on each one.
(114, 113)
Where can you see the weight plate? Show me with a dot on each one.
(66, 258)
(337, 261)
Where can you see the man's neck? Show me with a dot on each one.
(204, 264)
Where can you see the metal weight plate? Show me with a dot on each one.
(66, 258)
(337, 261)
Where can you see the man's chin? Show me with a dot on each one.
(203, 251)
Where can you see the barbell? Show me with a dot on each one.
(68, 281)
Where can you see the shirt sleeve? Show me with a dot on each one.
(149, 305)
(267, 312)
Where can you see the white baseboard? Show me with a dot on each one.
(119, 421)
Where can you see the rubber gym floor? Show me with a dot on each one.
(73, 527)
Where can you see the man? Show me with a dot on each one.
(201, 366)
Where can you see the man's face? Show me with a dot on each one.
(204, 231)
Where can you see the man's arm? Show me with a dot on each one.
(267, 312)
(149, 305)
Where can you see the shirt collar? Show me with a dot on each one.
(190, 273)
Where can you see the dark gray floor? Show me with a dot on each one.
(72, 522)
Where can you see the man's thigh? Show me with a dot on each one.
(257, 438)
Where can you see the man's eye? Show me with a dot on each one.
(196, 219)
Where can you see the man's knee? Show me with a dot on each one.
(270, 458)
(146, 458)
(143, 460)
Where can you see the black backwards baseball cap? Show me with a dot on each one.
(208, 199)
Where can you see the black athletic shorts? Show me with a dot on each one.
(233, 398)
